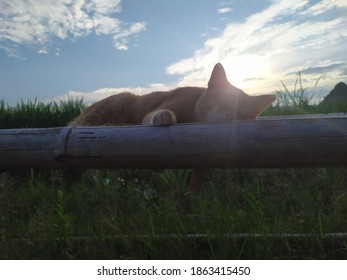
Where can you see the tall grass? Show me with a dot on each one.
(39, 114)
(298, 100)
(148, 214)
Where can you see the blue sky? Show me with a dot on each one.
(94, 48)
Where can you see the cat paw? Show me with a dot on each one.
(163, 117)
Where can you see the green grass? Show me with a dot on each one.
(119, 213)
(39, 114)
(147, 214)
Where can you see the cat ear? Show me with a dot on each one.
(218, 75)
(261, 102)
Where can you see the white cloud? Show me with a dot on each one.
(43, 51)
(106, 25)
(270, 44)
(11, 51)
(224, 10)
(324, 5)
(121, 38)
(36, 23)
(106, 6)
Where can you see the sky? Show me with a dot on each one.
(90, 49)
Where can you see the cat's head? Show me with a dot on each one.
(223, 102)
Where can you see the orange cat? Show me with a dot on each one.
(220, 101)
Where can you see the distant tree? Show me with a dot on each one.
(336, 100)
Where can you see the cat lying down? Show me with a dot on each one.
(220, 101)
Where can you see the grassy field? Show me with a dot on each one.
(148, 214)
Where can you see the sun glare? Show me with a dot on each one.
(242, 69)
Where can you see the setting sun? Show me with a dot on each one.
(244, 68)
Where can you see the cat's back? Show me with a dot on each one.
(182, 101)
(110, 110)
(127, 108)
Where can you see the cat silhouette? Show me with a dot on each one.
(220, 101)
